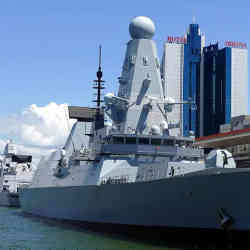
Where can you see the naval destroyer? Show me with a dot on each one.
(120, 164)
(15, 172)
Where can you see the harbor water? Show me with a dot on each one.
(19, 231)
(22, 232)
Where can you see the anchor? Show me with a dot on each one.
(226, 220)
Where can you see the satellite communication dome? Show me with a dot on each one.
(141, 27)
(155, 130)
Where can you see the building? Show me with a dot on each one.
(172, 75)
(224, 87)
(191, 79)
(181, 76)
(215, 79)
(233, 136)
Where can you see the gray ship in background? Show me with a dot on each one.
(15, 172)
(121, 166)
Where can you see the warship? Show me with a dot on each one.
(15, 172)
(121, 166)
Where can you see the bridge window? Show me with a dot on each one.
(118, 140)
(156, 141)
(130, 140)
(168, 142)
(143, 140)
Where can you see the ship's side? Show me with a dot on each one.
(4, 199)
(192, 201)
(9, 199)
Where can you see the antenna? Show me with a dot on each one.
(98, 84)
(194, 20)
(100, 57)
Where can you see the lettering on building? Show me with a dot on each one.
(233, 44)
(177, 39)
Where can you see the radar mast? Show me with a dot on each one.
(98, 85)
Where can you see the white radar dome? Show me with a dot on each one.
(155, 130)
(141, 27)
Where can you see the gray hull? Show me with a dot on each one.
(9, 199)
(189, 202)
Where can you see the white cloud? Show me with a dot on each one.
(45, 126)
(37, 129)
(2, 144)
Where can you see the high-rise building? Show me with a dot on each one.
(224, 87)
(181, 76)
(172, 74)
(191, 79)
(215, 79)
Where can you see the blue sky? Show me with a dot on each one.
(49, 49)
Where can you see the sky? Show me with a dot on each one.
(49, 54)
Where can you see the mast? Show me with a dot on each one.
(98, 85)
